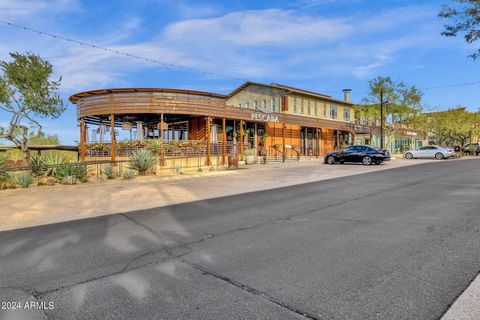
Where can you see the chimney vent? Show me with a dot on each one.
(346, 94)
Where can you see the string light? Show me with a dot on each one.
(176, 66)
(86, 44)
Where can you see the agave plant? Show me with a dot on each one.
(3, 171)
(47, 165)
(24, 179)
(154, 146)
(109, 172)
(142, 161)
(69, 180)
(128, 175)
(8, 181)
(77, 170)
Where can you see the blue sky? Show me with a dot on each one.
(320, 45)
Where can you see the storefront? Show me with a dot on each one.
(115, 122)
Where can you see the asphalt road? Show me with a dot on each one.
(394, 244)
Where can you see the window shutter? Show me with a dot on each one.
(284, 103)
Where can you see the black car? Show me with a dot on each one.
(358, 153)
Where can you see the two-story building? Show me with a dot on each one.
(293, 120)
(276, 119)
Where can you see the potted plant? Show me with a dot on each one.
(251, 156)
(242, 160)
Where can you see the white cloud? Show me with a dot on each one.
(258, 28)
(23, 9)
(258, 45)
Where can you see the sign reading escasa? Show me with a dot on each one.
(264, 117)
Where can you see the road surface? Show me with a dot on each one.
(394, 244)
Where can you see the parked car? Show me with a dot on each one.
(471, 148)
(358, 153)
(436, 152)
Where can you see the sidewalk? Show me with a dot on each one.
(467, 306)
(44, 205)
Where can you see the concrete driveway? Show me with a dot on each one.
(393, 244)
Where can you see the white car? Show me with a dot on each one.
(435, 152)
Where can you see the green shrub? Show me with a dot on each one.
(3, 172)
(128, 175)
(47, 165)
(69, 180)
(142, 161)
(179, 169)
(154, 146)
(109, 172)
(77, 170)
(24, 179)
(8, 181)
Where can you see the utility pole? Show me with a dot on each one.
(381, 120)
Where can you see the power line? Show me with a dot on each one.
(176, 66)
(87, 44)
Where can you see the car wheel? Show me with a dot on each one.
(439, 156)
(331, 160)
(409, 155)
(367, 160)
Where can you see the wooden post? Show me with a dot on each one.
(338, 139)
(241, 139)
(112, 142)
(224, 141)
(255, 138)
(82, 139)
(207, 162)
(161, 126)
(162, 139)
(306, 142)
(317, 144)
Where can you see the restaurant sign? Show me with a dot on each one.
(256, 116)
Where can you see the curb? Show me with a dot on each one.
(467, 306)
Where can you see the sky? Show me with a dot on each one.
(318, 45)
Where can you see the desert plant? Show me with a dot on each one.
(3, 169)
(142, 161)
(69, 180)
(154, 146)
(77, 170)
(24, 179)
(47, 165)
(128, 175)
(8, 181)
(109, 172)
(179, 169)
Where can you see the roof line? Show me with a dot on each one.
(288, 89)
(74, 98)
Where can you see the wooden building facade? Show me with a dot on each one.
(110, 117)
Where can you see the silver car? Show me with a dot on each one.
(435, 152)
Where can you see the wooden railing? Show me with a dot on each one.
(190, 149)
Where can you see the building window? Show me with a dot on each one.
(302, 109)
(247, 105)
(346, 114)
(264, 102)
(316, 108)
(309, 110)
(239, 105)
(273, 105)
(325, 110)
(255, 104)
(333, 111)
(295, 104)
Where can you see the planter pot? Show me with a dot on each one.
(251, 160)
(241, 162)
